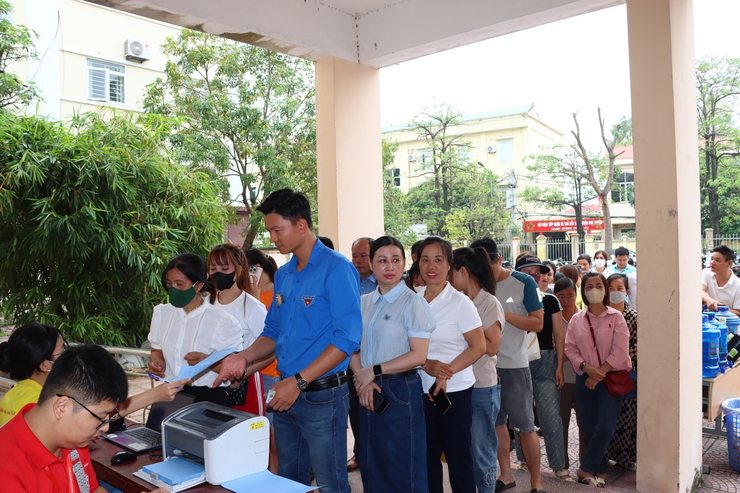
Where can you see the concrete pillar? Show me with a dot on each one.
(515, 247)
(542, 247)
(661, 52)
(348, 152)
(575, 245)
(588, 244)
(708, 239)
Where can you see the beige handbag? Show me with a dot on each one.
(533, 346)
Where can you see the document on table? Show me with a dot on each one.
(188, 372)
(266, 481)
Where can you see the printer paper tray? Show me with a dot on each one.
(169, 487)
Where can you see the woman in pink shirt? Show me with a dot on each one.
(599, 409)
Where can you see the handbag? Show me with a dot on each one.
(618, 383)
(533, 346)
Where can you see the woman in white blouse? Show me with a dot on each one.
(456, 343)
(187, 325)
(228, 268)
(396, 326)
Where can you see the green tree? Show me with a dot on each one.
(556, 187)
(622, 131)
(442, 161)
(89, 217)
(396, 220)
(477, 207)
(578, 166)
(246, 113)
(16, 44)
(718, 88)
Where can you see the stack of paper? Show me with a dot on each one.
(173, 474)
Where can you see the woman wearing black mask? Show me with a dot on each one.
(228, 268)
(188, 327)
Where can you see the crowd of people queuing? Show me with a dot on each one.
(432, 363)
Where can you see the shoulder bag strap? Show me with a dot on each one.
(588, 317)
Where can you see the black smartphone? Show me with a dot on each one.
(441, 401)
(380, 402)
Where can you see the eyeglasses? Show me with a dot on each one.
(103, 422)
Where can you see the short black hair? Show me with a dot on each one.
(326, 241)
(27, 347)
(621, 251)
(415, 248)
(489, 244)
(584, 256)
(289, 205)
(384, 241)
(88, 373)
(193, 267)
(586, 277)
(727, 252)
(562, 284)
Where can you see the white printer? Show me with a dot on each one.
(227, 442)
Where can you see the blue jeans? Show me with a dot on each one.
(313, 434)
(267, 382)
(599, 414)
(393, 445)
(547, 402)
(486, 403)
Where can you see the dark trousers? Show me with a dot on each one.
(218, 395)
(450, 434)
(354, 414)
(599, 414)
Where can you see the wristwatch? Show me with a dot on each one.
(377, 371)
(583, 365)
(302, 384)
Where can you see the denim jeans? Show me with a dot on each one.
(547, 402)
(313, 434)
(599, 414)
(486, 403)
(267, 382)
(393, 444)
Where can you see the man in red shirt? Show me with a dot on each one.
(45, 446)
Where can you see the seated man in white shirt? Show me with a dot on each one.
(718, 283)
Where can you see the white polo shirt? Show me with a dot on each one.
(454, 314)
(729, 294)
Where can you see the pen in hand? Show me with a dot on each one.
(160, 379)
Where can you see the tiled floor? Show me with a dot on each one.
(721, 478)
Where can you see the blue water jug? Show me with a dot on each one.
(709, 348)
(719, 323)
(730, 319)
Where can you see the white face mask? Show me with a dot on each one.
(616, 297)
(599, 262)
(595, 295)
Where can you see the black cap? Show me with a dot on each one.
(529, 261)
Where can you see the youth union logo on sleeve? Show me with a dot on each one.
(307, 300)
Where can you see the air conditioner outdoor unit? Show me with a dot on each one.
(136, 50)
(491, 149)
(412, 158)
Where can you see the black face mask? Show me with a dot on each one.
(223, 281)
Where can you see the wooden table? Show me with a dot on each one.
(717, 390)
(122, 476)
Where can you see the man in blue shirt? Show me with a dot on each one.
(622, 257)
(314, 324)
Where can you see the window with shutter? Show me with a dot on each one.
(106, 81)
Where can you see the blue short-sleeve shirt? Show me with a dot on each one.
(314, 308)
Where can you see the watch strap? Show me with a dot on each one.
(377, 371)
